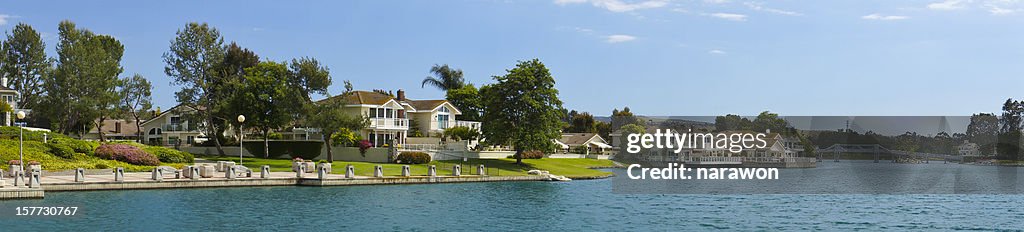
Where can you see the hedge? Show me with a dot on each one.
(168, 155)
(79, 146)
(533, 154)
(61, 150)
(286, 149)
(413, 157)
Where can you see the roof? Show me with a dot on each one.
(110, 128)
(360, 97)
(6, 89)
(577, 139)
(365, 98)
(425, 104)
(171, 110)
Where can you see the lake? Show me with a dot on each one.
(530, 206)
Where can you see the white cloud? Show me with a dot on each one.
(618, 5)
(947, 5)
(729, 16)
(258, 29)
(3, 19)
(583, 30)
(619, 38)
(884, 17)
(716, 52)
(995, 10)
(759, 7)
(717, 1)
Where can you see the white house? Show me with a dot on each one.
(171, 127)
(390, 116)
(572, 142)
(9, 96)
(969, 149)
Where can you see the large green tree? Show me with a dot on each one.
(82, 88)
(522, 109)
(445, 78)
(192, 62)
(230, 75)
(136, 99)
(25, 64)
(983, 130)
(467, 100)
(266, 100)
(582, 123)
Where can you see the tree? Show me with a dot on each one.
(624, 117)
(770, 121)
(194, 55)
(82, 88)
(522, 109)
(907, 142)
(25, 64)
(1010, 130)
(230, 74)
(732, 122)
(445, 78)
(983, 131)
(467, 100)
(582, 123)
(625, 132)
(329, 115)
(136, 99)
(266, 100)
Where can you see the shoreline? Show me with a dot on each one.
(143, 181)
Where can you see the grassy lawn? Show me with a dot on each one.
(572, 168)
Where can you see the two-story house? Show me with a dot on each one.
(390, 116)
(171, 127)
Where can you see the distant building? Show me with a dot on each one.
(115, 129)
(969, 149)
(589, 143)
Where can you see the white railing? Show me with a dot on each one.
(706, 159)
(779, 160)
(470, 124)
(422, 147)
(389, 123)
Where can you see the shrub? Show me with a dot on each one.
(535, 154)
(61, 150)
(102, 166)
(363, 145)
(413, 157)
(168, 155)
(461, 133)
(78, 146)
(126, 153)
(286, 149)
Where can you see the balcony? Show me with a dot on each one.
(471, 124)
(178, 127)
(389, 123)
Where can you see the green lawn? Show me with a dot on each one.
(572, 168)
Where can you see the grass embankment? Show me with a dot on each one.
(80, 157)
(572, 168)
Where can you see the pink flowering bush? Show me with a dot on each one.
(363, 145)
(126, 153)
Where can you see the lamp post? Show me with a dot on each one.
(21, 140)
(241, 136)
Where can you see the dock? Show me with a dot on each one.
(144, 180)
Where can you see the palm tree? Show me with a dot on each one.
(445, 78)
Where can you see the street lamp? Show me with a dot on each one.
(241, 136)
(21, 141)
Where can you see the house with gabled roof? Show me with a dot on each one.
(173, 127)
(390, 116)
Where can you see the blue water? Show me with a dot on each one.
(530, 206)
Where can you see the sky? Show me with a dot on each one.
(658, 57)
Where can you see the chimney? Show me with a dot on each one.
(401, 95)
(3, 81)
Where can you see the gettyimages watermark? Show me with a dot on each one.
(818, 155)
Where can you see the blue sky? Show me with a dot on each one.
(658, 57)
